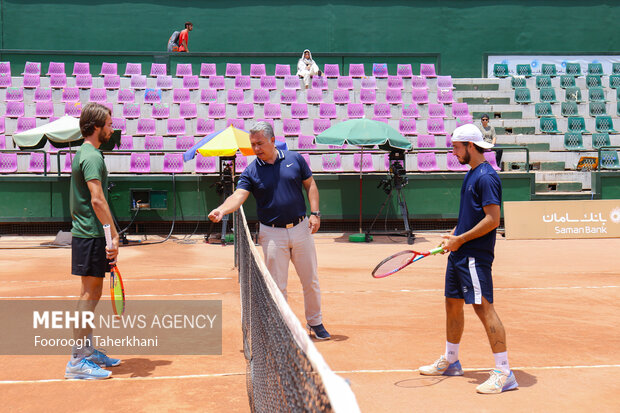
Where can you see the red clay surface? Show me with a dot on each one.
(558, 300)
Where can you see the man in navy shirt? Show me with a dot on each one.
(468, 273)
(275, 179)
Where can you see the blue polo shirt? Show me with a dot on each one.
(481, 187)
(277, 188)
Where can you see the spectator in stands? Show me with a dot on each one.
(184, 37)
(306, 68)
(275, 179)
(488, 133)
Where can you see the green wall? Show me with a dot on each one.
(461, 31)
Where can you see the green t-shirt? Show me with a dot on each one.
(87, 165)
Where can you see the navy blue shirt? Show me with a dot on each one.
(278, 187)
(481, 187)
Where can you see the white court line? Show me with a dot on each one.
(131, 296)
(200, 376)
(132, 280)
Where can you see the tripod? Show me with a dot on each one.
(396, 181)
(224, 188)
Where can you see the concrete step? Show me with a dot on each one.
(485, 100)
(558, 187)
(477, 86)
(551, 166)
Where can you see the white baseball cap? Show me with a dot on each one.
(470, 133)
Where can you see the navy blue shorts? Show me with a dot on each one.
(88, 257)
(469, 278)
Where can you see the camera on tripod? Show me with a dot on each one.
(397, 177)
(224, 186)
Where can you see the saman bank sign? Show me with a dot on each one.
(562, 219)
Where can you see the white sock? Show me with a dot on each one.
(501, 362)
(452, 352)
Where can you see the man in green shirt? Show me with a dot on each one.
(90, 258)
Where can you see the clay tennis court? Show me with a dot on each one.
(559, 301)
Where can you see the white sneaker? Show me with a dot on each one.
(498, 382)
(441, 367)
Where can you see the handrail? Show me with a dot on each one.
(600, 149)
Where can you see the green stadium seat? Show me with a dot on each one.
(597, 109)
(547, 94)
(522, 95)
(604, 124)
(614, 81)
(576, 124)
(516, 82)
(618, 108)
(549, 125)
(573, 141)
(543, 109)
(609, 160)
(569, 109)
(593, 81)
(573, 69)
(596, 94)
(567, 81)
(500, 70)
(595, 69)
(600, 139)
(549, 69)
(573, 94)
(524, 70)
(543, 81)
(615, 68)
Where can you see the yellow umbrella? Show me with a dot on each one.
(227, 143)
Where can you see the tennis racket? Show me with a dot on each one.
(117, 291)
(400, 260)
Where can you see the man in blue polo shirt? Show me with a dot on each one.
(275, 179)
(468, 273)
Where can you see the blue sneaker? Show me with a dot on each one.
(100, 358)
(319, 332)
(441, 367)
(86, 370)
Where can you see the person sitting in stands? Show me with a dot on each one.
(306, 68)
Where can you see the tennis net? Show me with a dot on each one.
(285, 371)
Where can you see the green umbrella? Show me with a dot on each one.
(364, 132)
(62, 133)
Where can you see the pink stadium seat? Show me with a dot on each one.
(188, 110)
(132, 69)
(140, 163)
(257, 70)
(356, 70)
(137, 81)
(234, 96)
(320, 125)
(180, 95)
(217, 82)
(120, 124)
(205, 164)
(152, 96)
(126, 96)
(184, 69)
(14, 94)
(44, 94)
(73, 109)
(237, 123)
(368, 96)
(366, 162)
(146, 126)
(427, 70)
(460, 109)
(395, 82)
(67, 163)
(24, 124)
(435, 126)
(97, 95)
(8, 163)
(272, 111)
(58, 81)
(184, 142)
(7, 81)
(84, 81)
(2, 142)
(453, 164)
(111, 81)
(164, 82)
(427, 162)
(291, 127)
(331, 70)
(233, 69)
(282, 70)
(208, 95)
(176, 127)
(245, 110)
(2, 124)
(380, 70)
(369, 82)
(158, 69)
(108, 69)
(205, 126)
(490, 158)
(410, 110)
(394, 96)
(444, 82)
(288, 96)
(463, 120)
(382, 110)
(445, 96)
(426, 141)
(419, 96)
(319, 82)
(173, 163)
(39, 162)
(32, 68)
(305, 142)
(160, 111)
(268, 82)
(436, 110)
(407, 126)
(126, 143)
(260, 96)
(404, 70)
(14, 109)
(331, 162)
(191, 82)
(70, 94)
(418, 82)
(355, 110)
(5, 68)
(345, 82)
(327, 110)
(448, 140)
(43, 109)
(341, 96)
(56, 68)
(314, 96)
(291, 82)
(153, 143)
(299, 111)
(207, 70)
(31, 81)
(241, 162)
(243, 82)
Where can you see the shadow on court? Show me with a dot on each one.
(420, 381)
(139, 367)
(383, 239)
(524, 379)
(335, 337)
